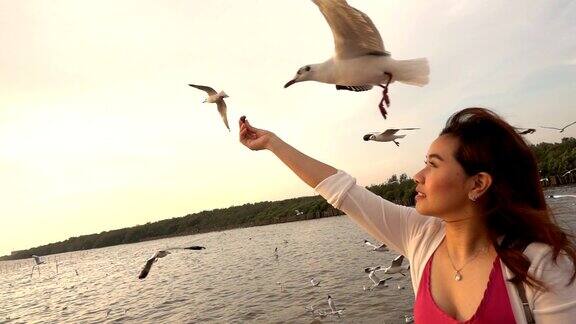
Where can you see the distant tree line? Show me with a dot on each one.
(556, 158)
(396, 189)
(552, 159)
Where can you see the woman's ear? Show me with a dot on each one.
(482, 181)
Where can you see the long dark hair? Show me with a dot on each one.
(515, 205)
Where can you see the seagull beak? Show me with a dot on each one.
(289, 83)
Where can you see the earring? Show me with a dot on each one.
(473, 197)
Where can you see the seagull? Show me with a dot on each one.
(386, 136)
(395, 267)
(381, 248)
(161, 254)
(568, 172)
(360, 60)
(560, 129)
(217, 98)
(377, 281)
(281, 284)
(333, 306)
(314, 282)
(560, 196)
(524, 131)
(38, 260)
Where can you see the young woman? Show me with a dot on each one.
(481, 235)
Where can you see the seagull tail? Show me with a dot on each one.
(413, 72)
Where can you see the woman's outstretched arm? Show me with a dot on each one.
(308, 169)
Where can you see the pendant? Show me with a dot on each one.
(458, 276)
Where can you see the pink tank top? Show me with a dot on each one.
(494, 308)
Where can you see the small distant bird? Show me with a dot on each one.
(217, 98)
(568, 172)
(276, 253)
(399, 287)
(377, 248)
(333, 306)
(161, 254)
(375, 280)
(524, 131)
(360, 60)
(388, 135)
(560, 196)
(38, 260)
(314, 282)
(408, 319)
(281, 284)
(560, 129)
(395, 267)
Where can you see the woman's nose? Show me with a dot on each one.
(418, 177)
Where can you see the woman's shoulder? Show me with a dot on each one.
(556, 274)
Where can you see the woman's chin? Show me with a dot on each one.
(421, 209)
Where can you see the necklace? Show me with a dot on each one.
(458, 274)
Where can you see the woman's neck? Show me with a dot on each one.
(465, 237)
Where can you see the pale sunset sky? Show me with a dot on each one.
(99, 130)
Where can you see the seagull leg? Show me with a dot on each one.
(397, 144)
(385, 98)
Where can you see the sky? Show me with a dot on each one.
(99, 130)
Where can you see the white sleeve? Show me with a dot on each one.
(558, 303)
(394, 225)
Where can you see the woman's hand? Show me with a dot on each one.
(254, 138)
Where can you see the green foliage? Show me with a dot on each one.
(556, 158)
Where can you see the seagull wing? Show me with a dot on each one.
(398, 261)
(409, 128)
(222, 110)
(563, 128)
(208, 90)
(556, 128)
(374, 278)
(353, 31)
(389, 132)
(147, 267)
(194, 247)
(331, 304)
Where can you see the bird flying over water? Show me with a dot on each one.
(161, 254)
(377, 248)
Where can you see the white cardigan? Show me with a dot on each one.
(417, 237)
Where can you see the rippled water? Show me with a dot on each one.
(234, 280)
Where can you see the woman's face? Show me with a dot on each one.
(442, 184)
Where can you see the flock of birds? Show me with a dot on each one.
(359, 63)
(395, 267)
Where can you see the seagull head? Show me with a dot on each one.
(368, 137)
(303, 74)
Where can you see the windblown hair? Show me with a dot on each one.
(514, 204)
